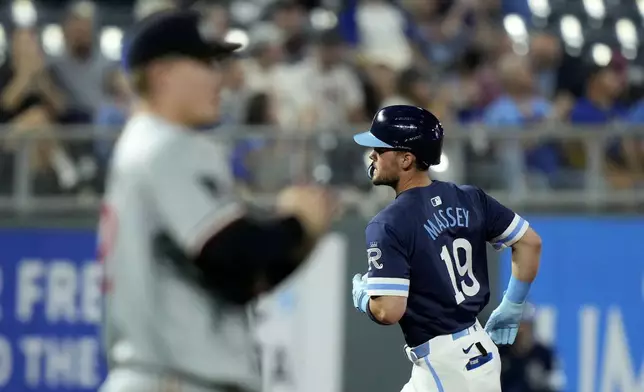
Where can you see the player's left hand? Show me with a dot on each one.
(503, 324)
(360, 297)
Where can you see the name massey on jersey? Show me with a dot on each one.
(444, 219)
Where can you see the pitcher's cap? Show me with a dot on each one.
(166, 33)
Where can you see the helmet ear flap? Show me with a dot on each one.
(435, 154)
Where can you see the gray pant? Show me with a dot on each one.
(134, 380)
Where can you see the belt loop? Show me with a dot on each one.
(411, 355)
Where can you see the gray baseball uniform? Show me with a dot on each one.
(168, 189)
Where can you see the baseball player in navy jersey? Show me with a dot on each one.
(427, 260)
(182, 257)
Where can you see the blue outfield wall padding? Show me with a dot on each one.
(590, 299)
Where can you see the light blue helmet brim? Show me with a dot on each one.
(367, 139)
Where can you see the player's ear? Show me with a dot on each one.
(153, 74)
(158, 72)
(407, 160)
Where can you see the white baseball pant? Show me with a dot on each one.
(455, 363)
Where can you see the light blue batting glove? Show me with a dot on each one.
(503, 324)
(360, 297)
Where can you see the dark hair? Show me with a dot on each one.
(285, 5)
(420, 166)
(328, 38)
(257, 109)
(469, 61)
(282, 5)
(406, 81)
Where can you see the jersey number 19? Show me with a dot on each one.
(463, 269)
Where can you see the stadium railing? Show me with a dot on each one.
(495, 159)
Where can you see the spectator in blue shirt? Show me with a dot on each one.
(466, 89)
(545, 57)
(517, 107)
(111, 114)
(600, 106)
(636, 114)
(259, 112)
(636, 117)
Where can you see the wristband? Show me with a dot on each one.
(371, 316)
(363, 302)
(517, 290)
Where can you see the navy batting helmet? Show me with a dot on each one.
(406, 128)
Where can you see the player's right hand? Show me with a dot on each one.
(503, 324)
(359, 292)
(313, 206)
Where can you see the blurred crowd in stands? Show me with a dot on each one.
(309, 72)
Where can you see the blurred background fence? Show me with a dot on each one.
(543, 106)
(60, 169)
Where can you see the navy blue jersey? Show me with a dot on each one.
(429, 245)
